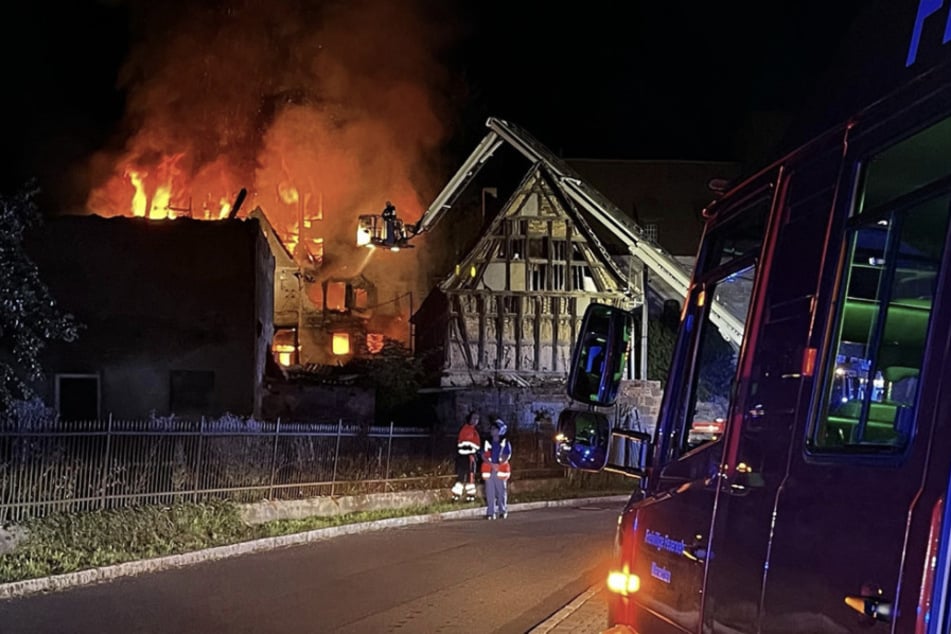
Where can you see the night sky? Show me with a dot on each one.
(596, 79)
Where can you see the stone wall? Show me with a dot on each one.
(537, 408)
(639, 404)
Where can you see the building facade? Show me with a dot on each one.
(511, 309)
(176, 316)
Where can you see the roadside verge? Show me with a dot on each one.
(107, 573)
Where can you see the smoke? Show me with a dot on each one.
(323, 110)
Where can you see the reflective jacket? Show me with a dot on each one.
(467, 443)
(496, 454)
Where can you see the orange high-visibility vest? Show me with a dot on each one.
(501, 460)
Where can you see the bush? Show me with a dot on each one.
(660, 349)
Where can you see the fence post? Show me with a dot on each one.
(270, 488)
(105, 464)
(201, 437)
(333, 480)
(389, 449)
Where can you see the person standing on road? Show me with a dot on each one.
(467, 446)
(496, 470)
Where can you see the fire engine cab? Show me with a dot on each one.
(819, 503)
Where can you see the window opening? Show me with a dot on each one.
(894, 246)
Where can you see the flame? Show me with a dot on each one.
(375, 342)
(319, 125)
(288, 194)
(139, 199)
(161, 201)
(162, 191)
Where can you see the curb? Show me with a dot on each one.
(561, 615)
(27, 587)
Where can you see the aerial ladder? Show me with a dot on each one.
(375, 230)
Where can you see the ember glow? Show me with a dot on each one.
(309, 106)
(374, 342)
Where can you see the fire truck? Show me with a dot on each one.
(820, 502)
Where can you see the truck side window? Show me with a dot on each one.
(727, 273)
(716, 363)
(894, 246)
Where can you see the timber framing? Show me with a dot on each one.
(517, 298)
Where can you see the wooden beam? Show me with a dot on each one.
(538, 333)
(481, 305)
(519, 313)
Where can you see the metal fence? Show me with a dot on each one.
(52, 467)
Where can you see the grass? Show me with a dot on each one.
(65, 543)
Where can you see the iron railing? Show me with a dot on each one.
(54, 467)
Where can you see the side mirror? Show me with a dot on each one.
(600, 355)
(581, 441)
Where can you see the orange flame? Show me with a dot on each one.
(326, 117)
(139, 199)
(288, 193)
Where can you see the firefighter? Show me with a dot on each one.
(496, 454)
(467, 446)
(391, 232)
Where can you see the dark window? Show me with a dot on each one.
(736, 238)
(576, 254)
(537, 248)
(191, 391)
(77, 397)
(652, 231)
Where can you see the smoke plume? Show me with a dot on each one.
(322, 110)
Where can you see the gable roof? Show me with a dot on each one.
(539, 197)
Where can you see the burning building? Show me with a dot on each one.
(305, 107)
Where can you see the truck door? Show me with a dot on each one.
(843, 514)
(671, 526)
(757, 452)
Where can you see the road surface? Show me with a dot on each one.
(466, 575)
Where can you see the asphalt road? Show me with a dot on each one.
(467, 575)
